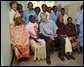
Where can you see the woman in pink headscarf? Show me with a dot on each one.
(62, 32)
(19, 39)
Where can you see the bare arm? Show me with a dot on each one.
(78, 28)
(54, 33)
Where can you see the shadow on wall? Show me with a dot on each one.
(72, 10)
(5, 35)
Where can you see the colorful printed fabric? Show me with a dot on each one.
(19, 40)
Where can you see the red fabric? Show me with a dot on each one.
(22, 48)
(60, 16)
(72, 41)
(61, 28)
(70, 29)
(19, 40)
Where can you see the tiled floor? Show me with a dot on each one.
(55, 61)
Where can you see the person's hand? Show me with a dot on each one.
(78, 31)
(52, 37)
(63, 35)
(74, 38)
(37, 38)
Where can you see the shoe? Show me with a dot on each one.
(67, 56)
(48, 61)
(79, 52)
(81, 48)
(61, 58)
(72, 57)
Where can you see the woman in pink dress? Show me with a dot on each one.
(32, 30)
(19, 39)
(36, 43)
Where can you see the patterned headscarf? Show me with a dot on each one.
(16, 15)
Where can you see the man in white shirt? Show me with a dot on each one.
(64, 15)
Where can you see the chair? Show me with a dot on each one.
(53, 46)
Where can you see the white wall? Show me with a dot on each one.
(73, 10)
(36, 3)
(64, 3)
(6, 53)
(2, 63)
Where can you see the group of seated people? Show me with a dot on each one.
(42, 28)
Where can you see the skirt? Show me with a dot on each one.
(39, 49)
(68, 46)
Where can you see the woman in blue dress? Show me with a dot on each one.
(54, 15)
(79, 23)
(29, 12)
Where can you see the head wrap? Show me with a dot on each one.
(16, 15)
(60, 16)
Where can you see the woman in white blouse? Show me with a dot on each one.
(13, 11)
